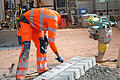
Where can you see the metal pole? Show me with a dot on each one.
(66, 5)
(10, 7)
(55, 3)
(94, 7)
(118, 62)
(107, 8)
(15, 3)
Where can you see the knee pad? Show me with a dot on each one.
(26, 50)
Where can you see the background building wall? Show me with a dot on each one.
(112, 7)
(47, 2)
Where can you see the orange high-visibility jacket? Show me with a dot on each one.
(44, 19)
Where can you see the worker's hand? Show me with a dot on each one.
(46, 41)
(60, 59)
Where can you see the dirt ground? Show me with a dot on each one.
(71, 43)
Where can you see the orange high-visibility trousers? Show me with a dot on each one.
(27, 34)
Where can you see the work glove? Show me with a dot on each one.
(46, 41)
(60, 59)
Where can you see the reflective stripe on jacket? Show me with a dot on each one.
(44, 19)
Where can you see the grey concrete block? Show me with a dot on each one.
(51, 73)
(55, 71)
(88, 58)
(76, 71)
(80, 67)
(87, 61)
(93, 60)
(86, 65)
(47, 75)
(70, 74)
(69, 70)
(65, 65)
(74, 59)
(60, 77)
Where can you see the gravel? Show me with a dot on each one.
(101, 73)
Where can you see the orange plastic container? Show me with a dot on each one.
(63, 23)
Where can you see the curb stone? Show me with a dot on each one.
(69, 70)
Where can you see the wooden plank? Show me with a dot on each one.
(31, 75)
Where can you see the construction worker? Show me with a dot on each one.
(34, 25)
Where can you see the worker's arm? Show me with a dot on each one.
(52, 28)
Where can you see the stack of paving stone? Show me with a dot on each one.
(69, 70)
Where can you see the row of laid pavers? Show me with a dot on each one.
(69, 70)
